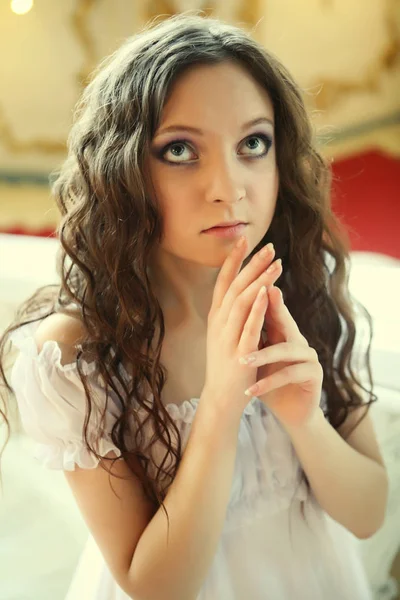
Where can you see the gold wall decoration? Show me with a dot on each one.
(79, 20)
(248, 11)
(334, 90)
(162, 9)
(8, 139)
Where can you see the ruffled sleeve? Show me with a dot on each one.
(52, 404)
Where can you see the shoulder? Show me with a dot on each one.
(68, 331)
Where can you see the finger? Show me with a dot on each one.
(252, 327)
(247, 276)
(242, 306)
(281, 317)
(299, 373)
(290, 352)
(228, 272)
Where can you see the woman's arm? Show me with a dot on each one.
(349, 485)
(196, 503)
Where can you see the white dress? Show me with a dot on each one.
(267, 551)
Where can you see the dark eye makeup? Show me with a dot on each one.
(160, 153)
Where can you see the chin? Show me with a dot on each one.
(214, 258)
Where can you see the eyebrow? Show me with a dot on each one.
(256, 121)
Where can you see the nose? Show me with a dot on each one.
(222, 180)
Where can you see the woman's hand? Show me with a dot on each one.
(289, 375)
(235, 323)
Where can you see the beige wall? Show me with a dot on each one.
(344, 53)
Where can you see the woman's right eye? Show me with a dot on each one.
(177, 150)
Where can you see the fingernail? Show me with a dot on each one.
(246, 360)
(266, 250)
(252, 390)
(240, 242)
(274, 267)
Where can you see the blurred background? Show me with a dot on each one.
(345, 54)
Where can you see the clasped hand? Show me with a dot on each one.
(289, 375)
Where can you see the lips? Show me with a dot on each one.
(222, 225)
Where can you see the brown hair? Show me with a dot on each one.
(109, 227)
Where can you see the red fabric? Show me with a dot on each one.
(45, 232)
(366, 198)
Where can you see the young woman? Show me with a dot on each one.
(198, 475)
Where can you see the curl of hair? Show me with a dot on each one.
(109, 227)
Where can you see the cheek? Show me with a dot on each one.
(267, 193)
(170, 197)
(178, 213)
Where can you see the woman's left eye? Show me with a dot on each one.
(256, 138)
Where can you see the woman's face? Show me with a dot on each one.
(209, 165)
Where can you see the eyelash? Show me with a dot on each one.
(160, 154)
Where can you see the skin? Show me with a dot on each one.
(215, 176)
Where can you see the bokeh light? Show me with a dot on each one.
(21, 7)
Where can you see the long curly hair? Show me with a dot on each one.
(109, 227)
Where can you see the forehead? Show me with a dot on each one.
(224, 93)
